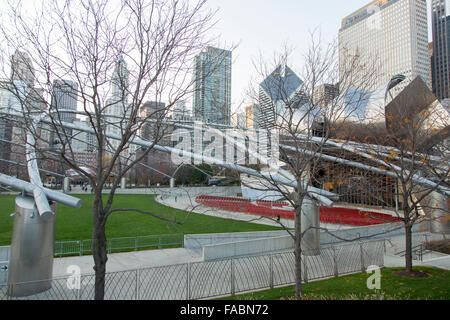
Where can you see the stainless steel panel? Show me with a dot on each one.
(440, 215)
(31, 250)
(310, 227)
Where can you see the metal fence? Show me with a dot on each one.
(208, 279)
(71, 248)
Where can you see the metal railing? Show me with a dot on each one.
(84, 247)
(209, 279)
(421, 243)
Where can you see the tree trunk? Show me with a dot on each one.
(408, 248)
(298, 253)
(99, 252)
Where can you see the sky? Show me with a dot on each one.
(260, 27)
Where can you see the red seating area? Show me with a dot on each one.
(270, 204)
(266, 208)
(354, 217)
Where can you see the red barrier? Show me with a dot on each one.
(265, 208)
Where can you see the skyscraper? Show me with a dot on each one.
(389, 35)
(117, 105)
(64, 97)
(118, 102)
(212, 96)
(153, 131)
(22, 68)
(440, 12)
(280, 88)
(324, 94)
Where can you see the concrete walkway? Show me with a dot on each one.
(127, 261)
(395, 245)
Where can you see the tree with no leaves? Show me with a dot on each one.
(411, 143)
(292, 108)
(119, 54)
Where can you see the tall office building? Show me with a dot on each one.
(251, 117)
(212, 96)
(390, 36)
(440, 11)
(153, 129)
(22, 68)
(181, 112)
(281, 88)
(117, 105)
(64, 97)
(431, 57)
(118, 102)
(324, 94)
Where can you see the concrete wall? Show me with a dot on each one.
(4, 262)
(370, 232)
(218, 246)
(4, 253)
(197, 241)
(248, 247)
(3, 273)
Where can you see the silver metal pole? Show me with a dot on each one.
(315, 192)
(50, 194)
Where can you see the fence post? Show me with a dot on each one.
(79, 288)
(137, 285)
(305, 268)
(361, 252)
(335, 265)
(233, 289)
(188, 281)
(271, 272)
(135, 244)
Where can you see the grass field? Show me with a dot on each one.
(76, 224)
(353, 287)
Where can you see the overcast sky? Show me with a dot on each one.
(262, 26)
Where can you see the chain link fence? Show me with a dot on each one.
(209, 279)
(84, 247)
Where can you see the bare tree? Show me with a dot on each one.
(119, 54)
(411, 145)
(304, 118)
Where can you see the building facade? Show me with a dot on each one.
(440, 13)
(212, 95)
(154, 129)
(117, 106)
(282, 88)
(251, 117)
(390, 36)
(324, 94)
(64, 97)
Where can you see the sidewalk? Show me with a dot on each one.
(430, 259)
(127, 261)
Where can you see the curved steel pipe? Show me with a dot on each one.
(29, 188)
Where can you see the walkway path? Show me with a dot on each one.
(127, 261)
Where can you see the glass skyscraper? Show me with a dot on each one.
(390, 36)
(440, 10)
(212, 96)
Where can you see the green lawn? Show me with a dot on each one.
(76, 224)
(353, 287)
